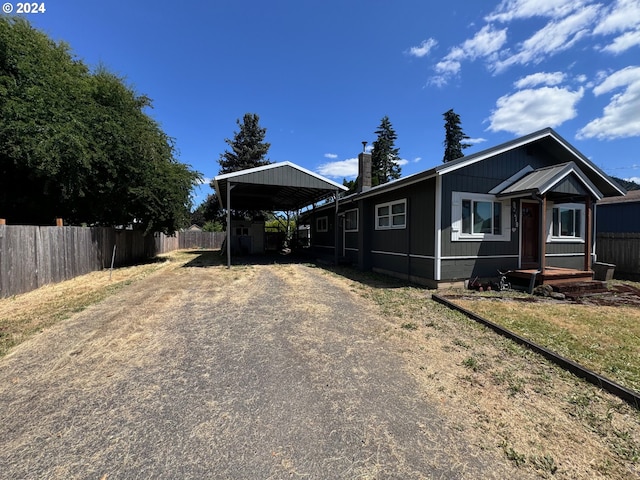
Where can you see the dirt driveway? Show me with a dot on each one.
(268, 371)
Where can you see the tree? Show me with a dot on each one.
(454, 137)
(352, 185)
(248, 148)
(385, 156)
(78, 145)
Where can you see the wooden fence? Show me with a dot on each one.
(621, 250)
(32, 256)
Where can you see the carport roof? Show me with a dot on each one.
(280, 186)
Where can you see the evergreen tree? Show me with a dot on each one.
(248, 148)
(454, 137)
(385, 156)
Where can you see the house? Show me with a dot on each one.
(618, 239)
(526, 205)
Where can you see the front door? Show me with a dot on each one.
(530, 230)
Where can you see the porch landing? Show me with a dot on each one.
(552, 276)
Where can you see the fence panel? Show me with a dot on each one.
(32, 256)
(622, 250)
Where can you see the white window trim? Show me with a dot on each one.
(560, 239)
(326, 224)
(456, 218)
(357, 220)
(390, 205)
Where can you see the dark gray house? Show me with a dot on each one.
(526, 205)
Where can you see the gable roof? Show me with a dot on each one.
(546, 138)
(545, 179)
(280, 186)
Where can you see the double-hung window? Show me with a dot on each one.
(391, 215)
(322, 224)
(479, 217)
(567, 222)
(351, 220)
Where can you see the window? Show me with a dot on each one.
(391, 215)
(322, 224)
(567, 222)
(477, 216)
(242, 231)
(351, 221)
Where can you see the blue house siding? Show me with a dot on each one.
(618, 217)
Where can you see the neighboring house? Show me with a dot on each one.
(618, 240)
(194, 228)
(525, 204)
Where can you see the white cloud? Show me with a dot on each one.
(621, 16)
(475, 141)
(423, 49)
(633, 179)
(620, 117)
(532, 109)
(402, 161)
(555, 37)
(330, 155)
(624, 42)
(485, 43)
(341, 169)
(509, 10)
(417, 159)
(541, 78)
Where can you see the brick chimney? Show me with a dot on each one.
(364, 170)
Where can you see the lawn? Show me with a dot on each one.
(605, 339)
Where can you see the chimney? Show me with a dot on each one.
(364, 169)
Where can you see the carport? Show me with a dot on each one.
(276, 187)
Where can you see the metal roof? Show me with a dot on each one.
(280, 186)
(543, 180)
(631, 196)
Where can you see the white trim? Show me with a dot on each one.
(576, 254)
(477, 257)
(570, 206)
(391, 226)
(424, 257)
(438, 230)
(350, 249)
(277, 165)
(394, 254)
(512, 179)
(457, 235)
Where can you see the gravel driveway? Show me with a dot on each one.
(260, 372)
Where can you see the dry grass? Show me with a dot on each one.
(504, 398)
(23, 316)
(543, 419)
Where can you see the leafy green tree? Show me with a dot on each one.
(454, 137)
(78, 145)
(248, 148)
(385, 156)
(352, 185)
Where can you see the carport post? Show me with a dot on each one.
(336, 232)
(229, 187)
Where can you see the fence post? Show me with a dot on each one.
(3, 221)
(59, 222)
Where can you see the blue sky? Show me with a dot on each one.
(321, 75)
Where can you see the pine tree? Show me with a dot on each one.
(454, 137)
(248, 148)
(385, 156)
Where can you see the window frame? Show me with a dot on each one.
(320, 228)
(357, 215)
(391, 215)
(457, 222)
(554, 235)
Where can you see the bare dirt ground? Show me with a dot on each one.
(291, 371)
